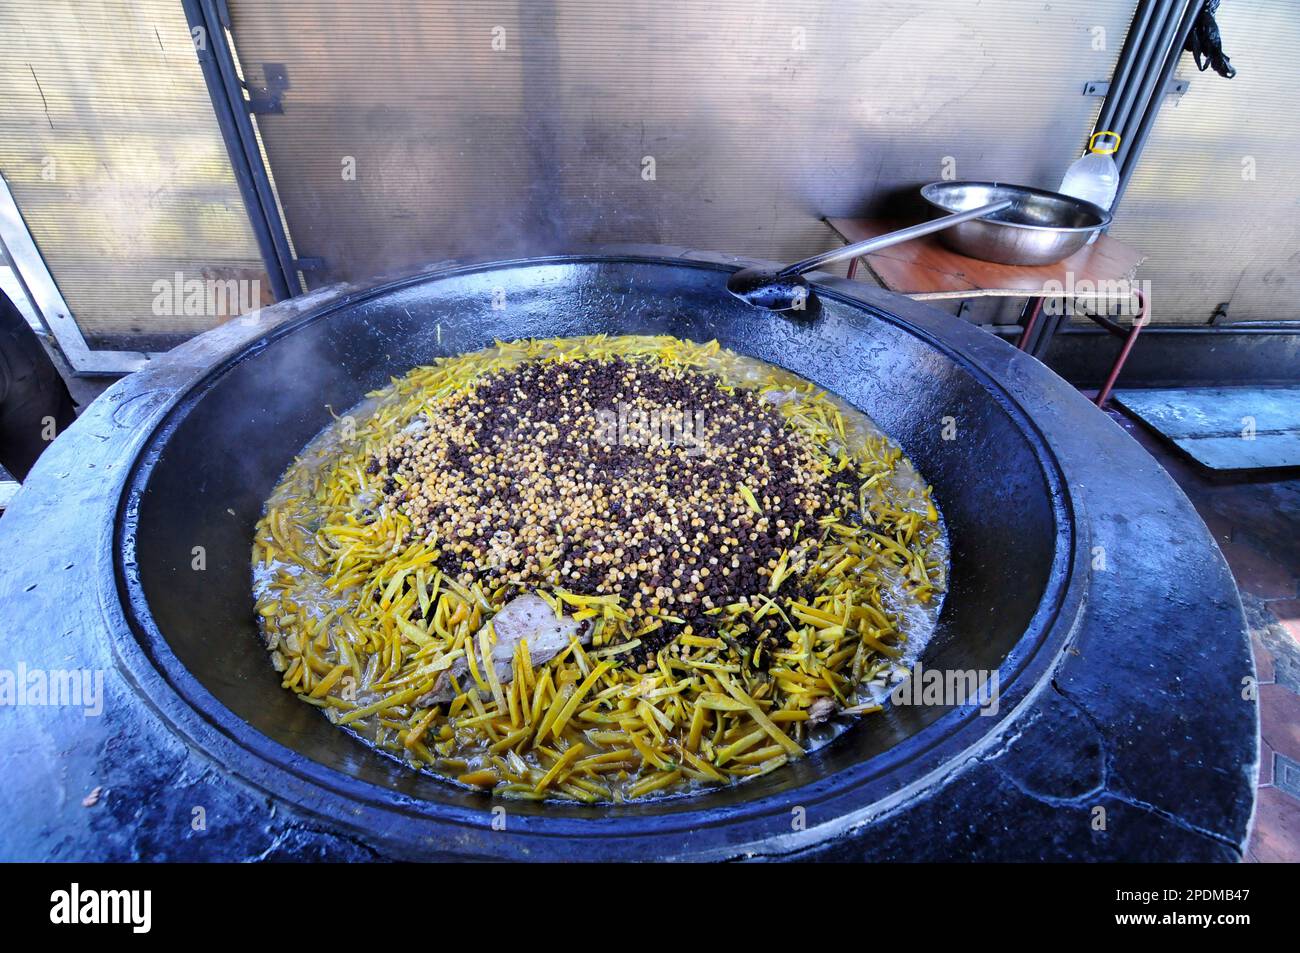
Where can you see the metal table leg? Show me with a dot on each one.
(1130, 337)
(1036, 308)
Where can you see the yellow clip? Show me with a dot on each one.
(1104, 152)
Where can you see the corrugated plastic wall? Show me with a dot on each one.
(1215, 199)
(110, 146)
(413, 132)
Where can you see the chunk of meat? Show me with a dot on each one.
(417, 425)
(820, 711)
(778, 397)
(525, 618)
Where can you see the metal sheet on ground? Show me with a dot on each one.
(1224, 428)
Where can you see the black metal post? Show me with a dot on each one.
(1146, 66)
(226, 92)
(1131, 98)
(1127, 62)
(1128, 163)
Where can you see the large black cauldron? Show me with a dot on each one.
(1079, 572)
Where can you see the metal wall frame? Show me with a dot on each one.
(210, 21)
(1136, 92)
(534, 147)
(44, 294)
(1147, 63)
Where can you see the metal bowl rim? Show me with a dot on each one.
(927, 191)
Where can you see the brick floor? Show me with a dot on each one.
(1288, 614)
(1256, 573)
(1277, 827)
(1265, 668)
(1279, 719)
(1256, 523)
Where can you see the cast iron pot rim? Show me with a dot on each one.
(191, 710)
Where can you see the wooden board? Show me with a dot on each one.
(924, 269)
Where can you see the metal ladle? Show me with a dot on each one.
(785, 289)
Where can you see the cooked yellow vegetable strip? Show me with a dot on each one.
(398, 698)
(654, 783)
(561, 764)
(760, 716)
(325, 684)
(567, 712)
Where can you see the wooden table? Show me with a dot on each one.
(926, 270)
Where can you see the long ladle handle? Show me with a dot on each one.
(891, 238)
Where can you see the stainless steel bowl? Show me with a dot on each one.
(1040, 228)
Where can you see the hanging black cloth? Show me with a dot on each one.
(1205, 44)
(34, 401)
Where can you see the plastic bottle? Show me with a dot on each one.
(1094, 177)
